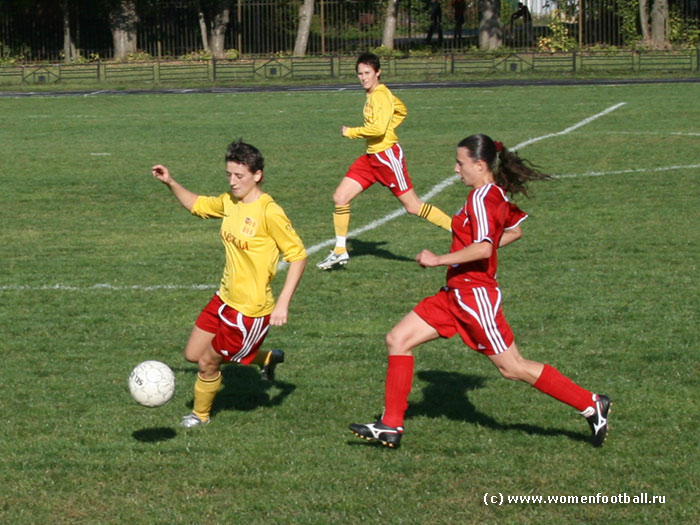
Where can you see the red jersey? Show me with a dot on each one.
(486, 214)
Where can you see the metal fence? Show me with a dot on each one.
(33, 29)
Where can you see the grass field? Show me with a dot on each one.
(102, 269)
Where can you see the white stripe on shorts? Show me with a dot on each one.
(486, 316)
(395, 165)
(249, 339)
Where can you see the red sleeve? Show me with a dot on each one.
(515, 216)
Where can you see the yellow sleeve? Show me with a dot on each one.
(378, 115)
(282, 232)
(209, 207)
(399, 114)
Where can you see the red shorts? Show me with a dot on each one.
(475, 314)
(237, 337)
(387, 167)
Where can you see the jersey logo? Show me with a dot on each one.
(249, 227)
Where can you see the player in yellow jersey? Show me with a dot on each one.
(382, 162)
(254, 231)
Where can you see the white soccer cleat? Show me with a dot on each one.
(333, 259)
(192, 420)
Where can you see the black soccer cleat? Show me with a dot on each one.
(267, 371)
(386, 435)
(599, 420)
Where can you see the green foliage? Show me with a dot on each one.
(629, 13)
(682, 32)
(385, 52)
(102, 269)
(202, 54)
(139, 56)
(558, 39)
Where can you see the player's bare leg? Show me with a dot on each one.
(413, 205)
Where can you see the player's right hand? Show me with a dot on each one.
(161, 173)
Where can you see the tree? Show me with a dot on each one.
(123, 20)
(659, 18)
(490, 31)
(306, 13)
(214, 17)
(392, 8)
(69, 51)
(653, 24)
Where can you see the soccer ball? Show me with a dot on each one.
(152, 383)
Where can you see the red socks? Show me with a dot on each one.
(399, 376)
(563, 389)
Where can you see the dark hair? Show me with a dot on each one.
(242, 153)
(370, 59)
(509, 171)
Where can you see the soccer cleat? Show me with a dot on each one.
(267, 371)
(599, 420)
(333, 259)
(192, 420)
(387, 436)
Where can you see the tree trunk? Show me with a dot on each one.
(490, 31)
(659, 18)
(69, 52)
(123, 21)
(203, 27)
(306, 13)
(644, 21)
(392, 8)
(218, 32)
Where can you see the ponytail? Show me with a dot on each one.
(510, 171)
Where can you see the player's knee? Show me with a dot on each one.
(396, 344)
(340, 199)
(510, 373)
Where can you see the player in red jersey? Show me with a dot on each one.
(470, 304)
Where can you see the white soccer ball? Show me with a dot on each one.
(152, 383)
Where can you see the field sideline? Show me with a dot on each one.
(101, 269)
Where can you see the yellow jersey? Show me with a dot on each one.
(254, 235)
(383, 112)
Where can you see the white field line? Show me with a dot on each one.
(169, 287)
(435, 190)
(454, 178)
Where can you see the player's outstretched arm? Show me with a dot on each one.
(183, 195)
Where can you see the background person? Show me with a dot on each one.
(470, 303)
(435, 22)
(459, 7)
(254, 231)
(383, 160)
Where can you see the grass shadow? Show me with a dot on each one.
(358, 248)
(244, 390)
(446, 396)
(154, 435)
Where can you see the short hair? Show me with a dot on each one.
(370, 59)
(242, 153)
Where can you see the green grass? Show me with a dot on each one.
(603, 286)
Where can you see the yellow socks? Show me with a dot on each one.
(262, 358)
(436, 216)
(341, 223)
(204, 393)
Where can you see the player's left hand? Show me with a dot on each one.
(279, 315)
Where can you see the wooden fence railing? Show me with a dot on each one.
(334, 67)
